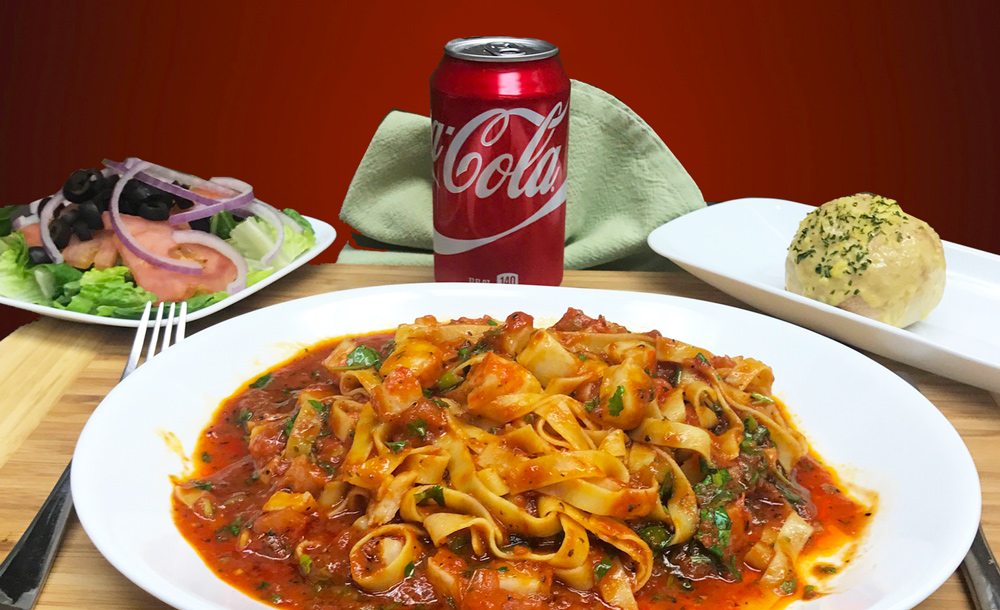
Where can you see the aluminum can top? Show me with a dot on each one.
(500, 49)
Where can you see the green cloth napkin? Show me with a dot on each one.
(623, 183)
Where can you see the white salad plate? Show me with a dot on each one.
(859, 416)
(740, 246)
(325, 234)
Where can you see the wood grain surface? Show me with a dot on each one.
(53, 374)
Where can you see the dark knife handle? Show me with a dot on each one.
(982, 575)
(23, 572)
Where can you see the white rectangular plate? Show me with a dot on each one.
(325, 234)
(739, 247)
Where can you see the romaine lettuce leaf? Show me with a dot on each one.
(16, 279)
(108, 292)
(254, 237)
(201, 301)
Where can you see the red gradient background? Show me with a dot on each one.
(801, 100)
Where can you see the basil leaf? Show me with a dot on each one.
(362, 356)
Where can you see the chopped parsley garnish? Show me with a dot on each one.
(702, 357)
(615, 404)
(206, 457)
(491, 322)
(320, 407)
(591, 404)
(418, 428)
(804, 255)
(396, 446)
(408, 570)
(263, 585)
(305, 562)
(502, 569)
(602, 568)
(758, 398)
(244, 416)
(203, 485)
(434, 492)
(262, 381)
(788, 587)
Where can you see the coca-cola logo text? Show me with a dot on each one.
(536, 171)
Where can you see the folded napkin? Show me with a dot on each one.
(623, 183)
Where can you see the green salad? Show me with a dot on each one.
(45, 247)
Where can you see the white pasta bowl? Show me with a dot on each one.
(873, 428)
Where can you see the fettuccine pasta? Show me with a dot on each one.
(482, 463)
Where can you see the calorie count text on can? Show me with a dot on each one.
(500, 121)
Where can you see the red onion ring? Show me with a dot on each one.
(244, 197)
(165, 173)
(44, 220)
(33, 206)
(22, 221)
(170, 264)
(271, 218)
(217, 243)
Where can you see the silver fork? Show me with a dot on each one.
(23, 572)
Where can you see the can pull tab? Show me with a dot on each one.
(504, 49)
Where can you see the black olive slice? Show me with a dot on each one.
(91, 214)
(201, 224)
(82, 230)
(82, 185)
(154, 209)
(60, 232)
(38, 256)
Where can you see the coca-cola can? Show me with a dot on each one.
(500, 121)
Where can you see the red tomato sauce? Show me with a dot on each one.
(255, 552)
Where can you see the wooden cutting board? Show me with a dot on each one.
(53, 374)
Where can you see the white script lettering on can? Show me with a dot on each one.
(536, 172)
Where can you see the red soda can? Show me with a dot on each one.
(500, 121)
